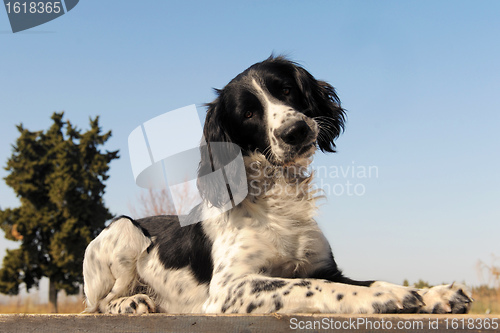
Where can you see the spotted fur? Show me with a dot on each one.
(267, 254)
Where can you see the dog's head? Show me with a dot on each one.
(277, 108)
(274, 107)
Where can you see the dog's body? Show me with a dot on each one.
(267, 254)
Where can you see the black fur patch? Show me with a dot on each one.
(388, 307)
(277, 305)
(263, 285)
(142, 300)
(241, 284)
(438, 308)
(303, 283)
(251, 307)
(460, 302)
(412, 303)
(180, 247)
(332, 273)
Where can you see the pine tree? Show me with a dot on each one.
(59, 179)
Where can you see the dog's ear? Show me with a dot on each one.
(323, 105)
(216, 152)
(213, 131)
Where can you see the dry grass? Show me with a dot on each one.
(486, 300)
(487, 296)
(31, 304)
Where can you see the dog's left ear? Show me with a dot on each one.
(323, 106)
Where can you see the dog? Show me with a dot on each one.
(267, 254)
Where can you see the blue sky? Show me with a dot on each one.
(420, 81)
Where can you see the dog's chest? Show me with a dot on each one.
(267, 242)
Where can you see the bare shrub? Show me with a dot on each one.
(159, 202)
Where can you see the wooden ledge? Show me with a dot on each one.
(247, 323)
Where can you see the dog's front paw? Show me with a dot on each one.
(453, 298)
(407, 300)
(137, 304)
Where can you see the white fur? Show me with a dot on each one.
(110, 265)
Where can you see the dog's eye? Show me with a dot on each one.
(285, 91)
(248, 114)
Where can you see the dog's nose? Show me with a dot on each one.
(296, 133)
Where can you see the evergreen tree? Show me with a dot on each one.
(59, 179)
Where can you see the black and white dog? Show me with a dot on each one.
(267, 254)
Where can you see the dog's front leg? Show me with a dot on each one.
(254, 293)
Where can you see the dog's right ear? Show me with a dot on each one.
(213, 131)
(212, 157)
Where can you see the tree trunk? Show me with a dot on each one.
(52, 296)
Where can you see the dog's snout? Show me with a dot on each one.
(296, 133)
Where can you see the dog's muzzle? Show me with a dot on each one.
(297, 134)
(297, 138)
